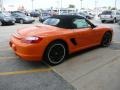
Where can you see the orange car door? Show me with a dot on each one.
(85, 35)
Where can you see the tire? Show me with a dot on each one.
(106, 39)
(55, 53)
(21, 21)
(103, 21)
(0, 23)
(114, 20)
(13, 23)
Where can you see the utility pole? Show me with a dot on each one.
(60, 10)
(115, 4)
(1, 5)
(61, 4)
(81, 3)
(32, 4)
(96, 6)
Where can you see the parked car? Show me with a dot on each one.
(57, 37)
(35, 14)
(110, 16)
(6, 18)
(22, 18)
(88, 16)
(44, 16)
(21, 12)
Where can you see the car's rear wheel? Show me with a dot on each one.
(55, 53)
(103, 21)
(21, 21)
(114, 20)
(106, 39)
(0, 23)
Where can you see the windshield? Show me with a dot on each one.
(52, 21)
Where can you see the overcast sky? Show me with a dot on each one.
(65, 3)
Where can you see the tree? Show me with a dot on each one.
(71, 6)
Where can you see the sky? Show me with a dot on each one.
(57, 3)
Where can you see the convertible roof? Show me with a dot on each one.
(66, 16)
(66, 21)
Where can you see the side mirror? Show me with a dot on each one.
(93, 26)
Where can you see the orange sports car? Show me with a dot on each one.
(57, 37)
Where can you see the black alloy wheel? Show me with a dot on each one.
(106, 39)
(55, 53)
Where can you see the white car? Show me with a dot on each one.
(110, 16)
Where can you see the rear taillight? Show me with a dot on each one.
(32, 39)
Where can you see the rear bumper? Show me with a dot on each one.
(28, 57)
(27, 52)
(106, 19)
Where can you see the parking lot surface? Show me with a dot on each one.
(93, 69)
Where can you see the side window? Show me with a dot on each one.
(81, 23)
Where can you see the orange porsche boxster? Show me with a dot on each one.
(57, 37)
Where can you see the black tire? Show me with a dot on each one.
(114, 20)
(106, 39)
(21, 21)
(1, 23)
(55, 53)
(103, 21)
(13, 24)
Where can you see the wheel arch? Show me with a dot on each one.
(57, 40)
(108, 31)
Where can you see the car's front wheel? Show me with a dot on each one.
(114, 20)
(21, 21)
(55, 53)
(103, 21)
(106, 39)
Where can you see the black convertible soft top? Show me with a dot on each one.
(66, 20)
(67, 17)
